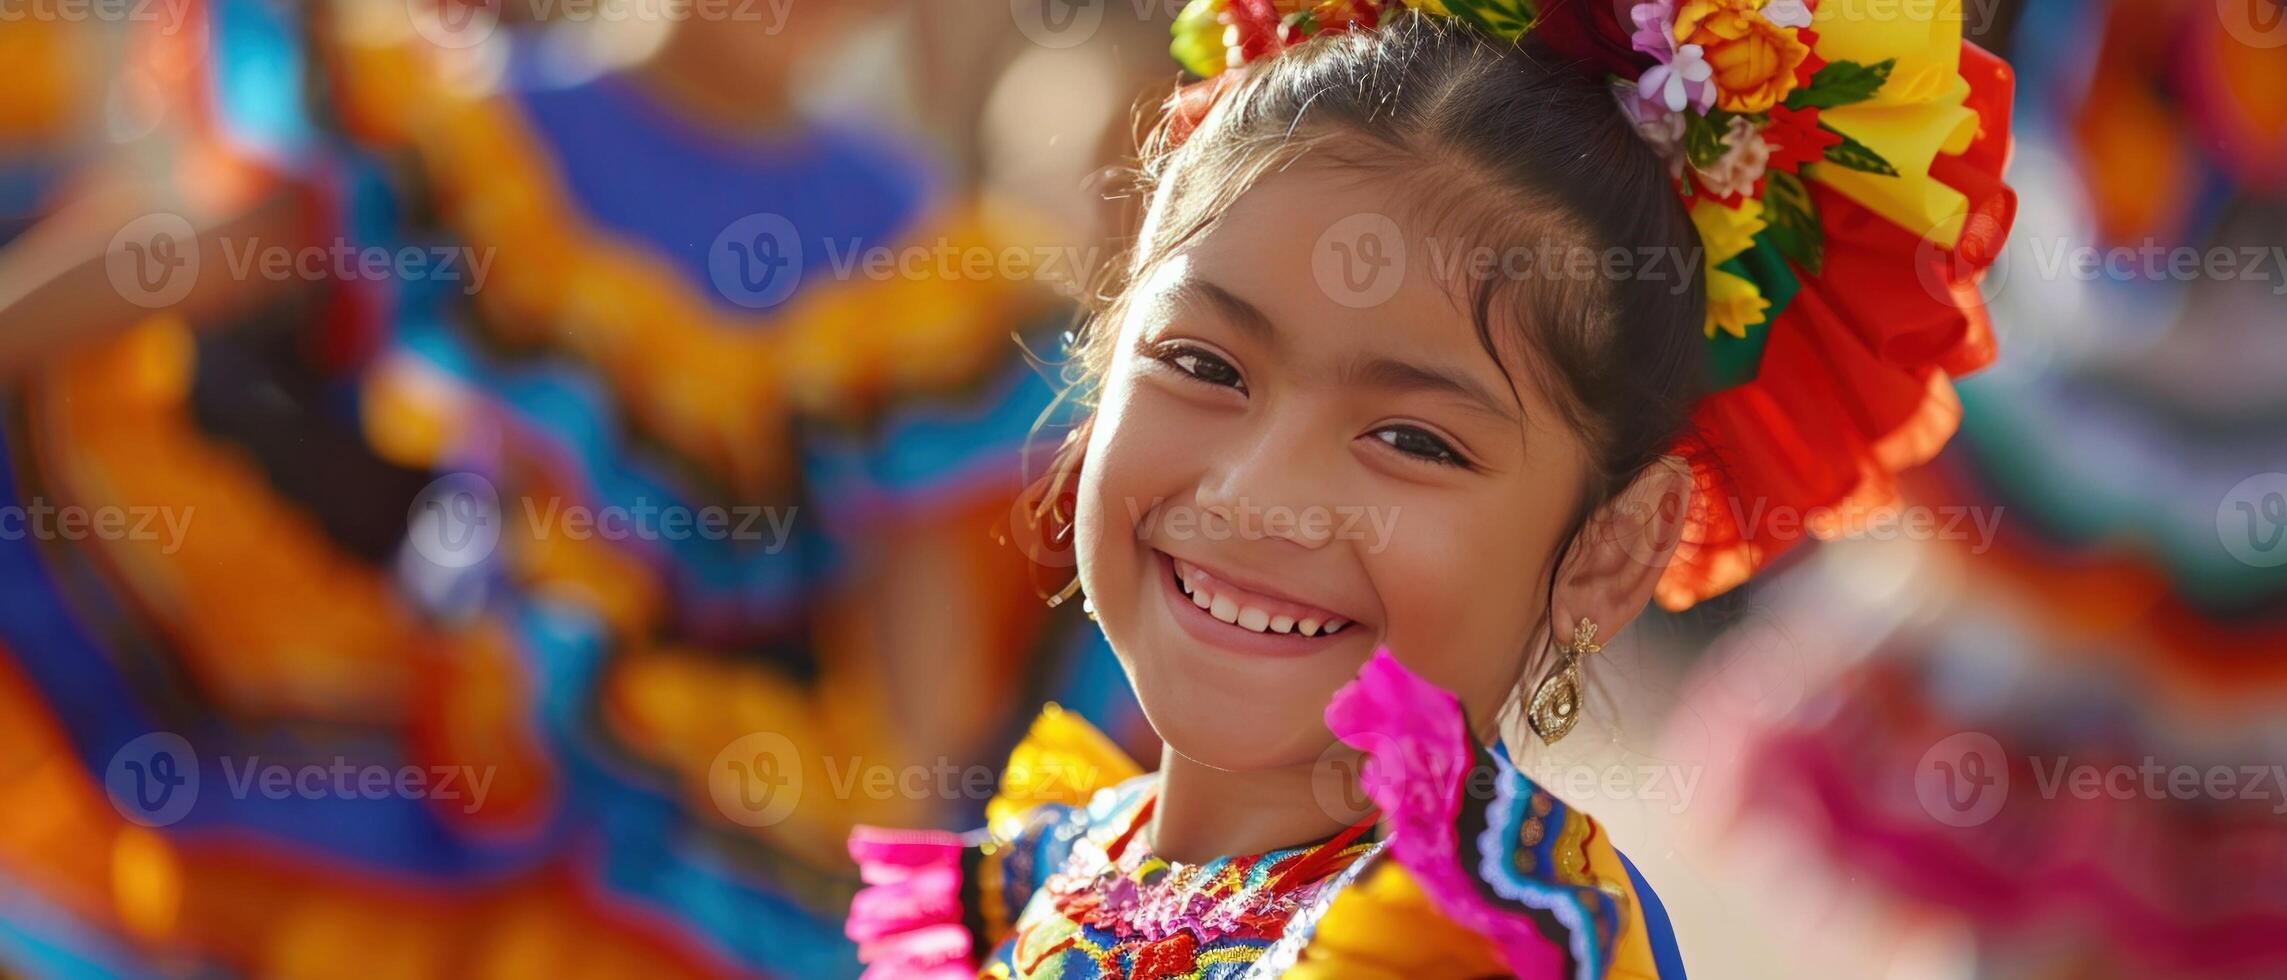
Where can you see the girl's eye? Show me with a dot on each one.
(1200, 366)
(1422, 445)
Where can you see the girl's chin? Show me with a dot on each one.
(1238, 731)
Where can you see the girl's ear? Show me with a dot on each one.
(1614, 565)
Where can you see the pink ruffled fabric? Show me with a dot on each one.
(1418, 750)
(907, 920)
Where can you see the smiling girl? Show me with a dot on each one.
(1322, 317)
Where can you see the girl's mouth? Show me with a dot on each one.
(1221, 613)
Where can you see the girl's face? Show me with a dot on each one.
(1300, 427)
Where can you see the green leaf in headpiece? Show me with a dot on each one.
(1855, 155)
(1842, 83)
(1504, 19)
(1793, 220)
(1703, 137)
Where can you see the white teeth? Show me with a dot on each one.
(1228, 610)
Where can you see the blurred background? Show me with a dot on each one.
(497, 487)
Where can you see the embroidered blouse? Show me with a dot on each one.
(1477, 872)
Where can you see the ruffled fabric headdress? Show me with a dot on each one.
(1842, 161)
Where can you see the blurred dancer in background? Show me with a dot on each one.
(590, 490)
(2052, 748)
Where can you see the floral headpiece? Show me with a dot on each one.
(1841, 160)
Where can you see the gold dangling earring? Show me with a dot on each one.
(1057, 516)
(1555, 705)
(1072, 588)
(1087, 605)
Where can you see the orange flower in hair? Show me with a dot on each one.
(1754, 59)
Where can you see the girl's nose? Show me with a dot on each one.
(1279, 485)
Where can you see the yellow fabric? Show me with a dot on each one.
(1062, 759)
(1632, 949)
(1917, 115)
(1383, 927)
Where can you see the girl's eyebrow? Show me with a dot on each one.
(1388, 374)
(1242, 314)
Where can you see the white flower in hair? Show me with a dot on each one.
(1686, 81)
(1745, 157)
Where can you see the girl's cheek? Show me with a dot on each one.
(1459, 600)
